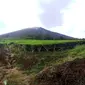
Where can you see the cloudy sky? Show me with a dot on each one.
(63, 16)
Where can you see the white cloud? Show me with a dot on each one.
(18, 14)
(46, 1)
(73, 20)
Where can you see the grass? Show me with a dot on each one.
(45, 59)
(70, 70)
(76, 53)
(39, 60)
(16, 77)
(42, 60)
(35, 42)
(55, 58)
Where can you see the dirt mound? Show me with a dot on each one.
(69, 73)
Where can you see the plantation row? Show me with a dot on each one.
(35, 42)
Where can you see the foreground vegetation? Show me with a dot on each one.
(20, 67)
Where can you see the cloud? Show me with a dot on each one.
(18, 14)
(73, 20)
(2, 24)
(52, 15)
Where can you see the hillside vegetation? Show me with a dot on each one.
(21, 67)
(37, 33)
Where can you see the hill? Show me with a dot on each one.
(35, 33)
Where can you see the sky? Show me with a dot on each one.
(63, 16)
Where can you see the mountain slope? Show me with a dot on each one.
(35, 33)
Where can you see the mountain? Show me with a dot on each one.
(35, 33)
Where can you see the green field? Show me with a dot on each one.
(35, 42)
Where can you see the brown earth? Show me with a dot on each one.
(69, 73)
